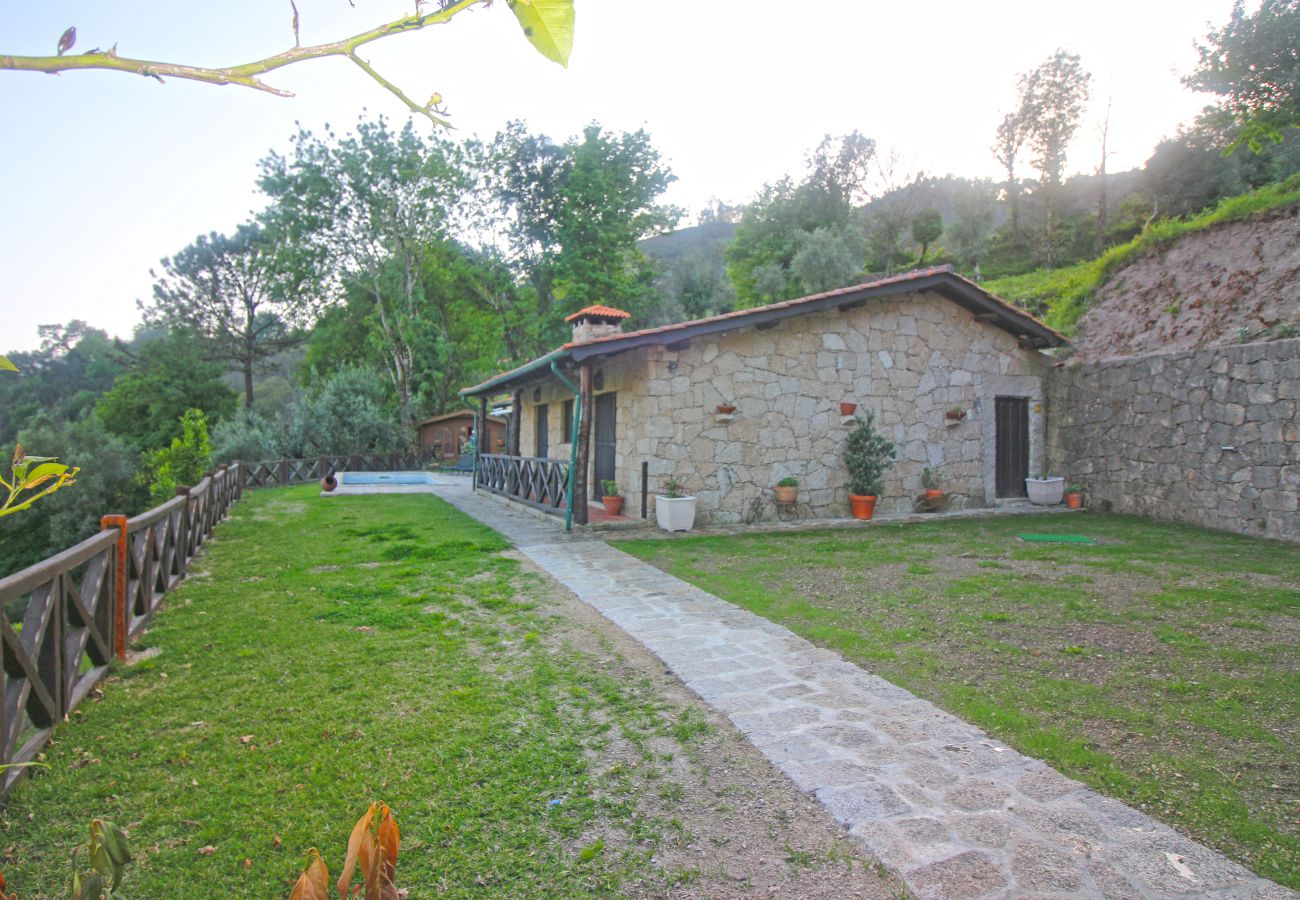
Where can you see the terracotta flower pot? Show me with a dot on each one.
(329, 482)
(954, 415)
(785, 494)
(1074, 500)
(725, 409)
(933, 492)
(613, 505)
(848, 409)
(862, 506)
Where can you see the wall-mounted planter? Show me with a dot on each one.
(675, 513)
(848, 409)
(725, 409)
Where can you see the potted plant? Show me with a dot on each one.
(930, 482)
(1046, 489)
(866, 455)
(848, 409)
(612, 499)
(954, 414)
(786, 490)
(674, 510)
(1074, 496)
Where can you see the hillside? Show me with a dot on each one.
(1235, 282)
(1225, 276)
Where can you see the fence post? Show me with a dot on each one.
(284, 473)
(183, 533)
(119, 582)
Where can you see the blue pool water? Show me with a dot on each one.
(386, 478)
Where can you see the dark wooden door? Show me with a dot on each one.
(1012, 455)
(542, 446)
(606, 418)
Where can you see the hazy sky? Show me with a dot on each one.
(102, 174)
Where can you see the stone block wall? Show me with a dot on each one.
(908, 359)
(1205, 437)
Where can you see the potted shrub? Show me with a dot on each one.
(1046, 489)
(848, 409)
(674, 510)
(866, 455)
(786, 490)
(930, 482)
(612, 499)
(1074, 496)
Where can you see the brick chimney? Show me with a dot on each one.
(596, 322)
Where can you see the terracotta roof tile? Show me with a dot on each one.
(607, 312)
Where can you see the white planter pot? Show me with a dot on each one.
(1045, 491)
(675, 513)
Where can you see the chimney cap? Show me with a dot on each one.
(599, 313)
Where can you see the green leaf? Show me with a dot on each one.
(548, 25)
(43, 473)
(6, 365)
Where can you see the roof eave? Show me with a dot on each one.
(1030, 331)
(521, 375)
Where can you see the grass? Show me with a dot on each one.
(330, 652)
(1066, 292)
(1160, 665)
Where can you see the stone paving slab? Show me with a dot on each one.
(951, 811)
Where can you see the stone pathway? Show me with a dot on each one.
(951, 811)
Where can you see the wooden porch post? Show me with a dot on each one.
(516, 420)
(584, 445)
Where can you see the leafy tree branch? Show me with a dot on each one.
(548, 25)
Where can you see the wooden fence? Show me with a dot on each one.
(543, 483)
(284, 472)
(84, 606)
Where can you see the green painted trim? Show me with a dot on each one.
(573, 443)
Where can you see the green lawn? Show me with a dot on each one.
(327, 652)
(1160, 665)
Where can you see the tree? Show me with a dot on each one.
(1010, 139)
(184, 462)
(829, 257)
(778, 223)
(927, 226)
(548, 26)
(167, 376)
(248, 295)
(374, 203)
(565, 220)
(1253, 63)
(1052, 98)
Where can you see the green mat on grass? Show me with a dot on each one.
(1057, 538)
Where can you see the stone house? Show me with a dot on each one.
(955, 376)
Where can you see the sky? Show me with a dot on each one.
(103, 174)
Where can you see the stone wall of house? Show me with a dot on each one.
(909, 359)
(1207, 437)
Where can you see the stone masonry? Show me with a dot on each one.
(1206, 437)
(908, 359)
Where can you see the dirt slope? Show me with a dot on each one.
(1232, 282)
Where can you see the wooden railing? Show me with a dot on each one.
(284, 472)
(82, 607)
(543, 483)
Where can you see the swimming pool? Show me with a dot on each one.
(346, 478)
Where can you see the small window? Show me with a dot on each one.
(566, 437)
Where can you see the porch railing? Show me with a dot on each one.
(543, 483)
(73, 612)
(284, 472)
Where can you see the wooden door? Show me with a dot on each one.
(1011, 424)
(606, 417)
(542, 445)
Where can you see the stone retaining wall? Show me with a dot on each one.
(1206, 437)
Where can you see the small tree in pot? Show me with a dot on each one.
(612, 499)
(867, 453)
(786, 490)
(674, 510)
